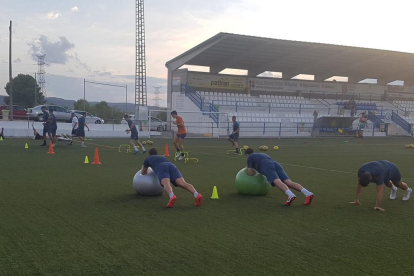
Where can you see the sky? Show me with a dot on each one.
(96, 39)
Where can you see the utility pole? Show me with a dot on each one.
(10, 74)
(35, 103)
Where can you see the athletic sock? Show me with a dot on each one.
(143, 148)
(195, 194)
(306, 192)
(171, 194)
(289, 193)
(135, 148)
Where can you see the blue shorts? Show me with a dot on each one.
(53, 130)
(181, 136)
(168, 170)
(234, 137)
(80, 132)
(45, 130)
(134, 136)
(274, 171)
(395, 175)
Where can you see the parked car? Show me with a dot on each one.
(89, 119)
(18, 111)
(61, 113)
(156, 123)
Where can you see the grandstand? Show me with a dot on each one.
(286, 106)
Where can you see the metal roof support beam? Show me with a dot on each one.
(228, 63)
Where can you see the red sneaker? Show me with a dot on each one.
(172, 201)
(199, 200)
(290, 200)
(308, 200)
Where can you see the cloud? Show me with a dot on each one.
(56, 52)
(53, 15)
(102, 73)
(17, 60)
(75, 9)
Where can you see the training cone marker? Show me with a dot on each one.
(166, 153)
(96, 159)
(50, 149)
(1, 138)
(215, 193)
(26, 146)
(86, 160)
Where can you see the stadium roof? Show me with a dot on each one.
(257, 55)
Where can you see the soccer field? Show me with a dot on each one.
(59, 216)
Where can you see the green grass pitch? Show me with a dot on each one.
(59, 216)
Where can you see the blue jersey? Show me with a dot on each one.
(154, 161)
(45, 116)
(236, 127)
(81, 123)
(53, 123)
(260, 162)
(381, 171)
(134, 129)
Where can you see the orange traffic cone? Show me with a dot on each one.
(50, 148)
(166, 153)
(96, 159)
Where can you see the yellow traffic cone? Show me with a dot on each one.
(215, 193)
(1, 138)
(26, 146)
(86, 160)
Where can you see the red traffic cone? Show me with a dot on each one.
(166, 153)
(50, 148)
(96, 159)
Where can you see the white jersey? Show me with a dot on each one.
(75, 121)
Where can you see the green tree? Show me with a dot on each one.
(24, 91)
(78, 105)
(106, 112)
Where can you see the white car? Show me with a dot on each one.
(156, 124)
(89, 119)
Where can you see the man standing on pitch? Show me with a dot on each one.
(275, 175)
(234, 136)
(53, 126)
(74, 125)
(168, 173)
(81, 129)
(380, 173)
(134, 135)
(46, 125)
(181, 133)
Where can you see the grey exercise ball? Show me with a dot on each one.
(147, 185)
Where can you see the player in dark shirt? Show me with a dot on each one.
(134, 135)
(168, 173)
(46, 125)
(275, 175)
(52, 126)
(81, 129)
(381, 173)
(234, 136)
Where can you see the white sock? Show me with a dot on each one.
(289, 193)
(394, 188)
(195, 194)
(83, 144)
(135, 148)
(306, 192)
(143, 148)
(171, 194)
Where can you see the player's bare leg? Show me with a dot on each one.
(187, 186)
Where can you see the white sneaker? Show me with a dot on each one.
(393, 193)
(407, 194)
(83, 146)
(177, 154)
(53, 145)
(181, 157)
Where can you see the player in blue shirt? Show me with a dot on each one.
(81, 129)
(134, 135)
(52, 126)
(46, 125)
(234, 136)
(275, 175)
(167, 172)
(381, 173)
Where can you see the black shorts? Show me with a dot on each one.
(80, 132)
(74, 131)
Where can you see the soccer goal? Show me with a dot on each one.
(198, 124)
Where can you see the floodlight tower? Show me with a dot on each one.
(41, 73)
(140, 64)
(157, 93)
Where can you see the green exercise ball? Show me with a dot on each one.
(251, 185)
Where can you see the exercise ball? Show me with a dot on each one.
(147, 185)
(251, 185)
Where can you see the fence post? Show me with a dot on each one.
(236, 106)
(280, 129)
(269, 107)
(218, 125)
(373, 129)
(297, 128)
(212, 129)
(300, 108)
(264, 128)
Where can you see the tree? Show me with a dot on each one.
(24, 91)
(106, 112)
(78, 105)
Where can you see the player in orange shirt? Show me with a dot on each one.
(181, 133)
